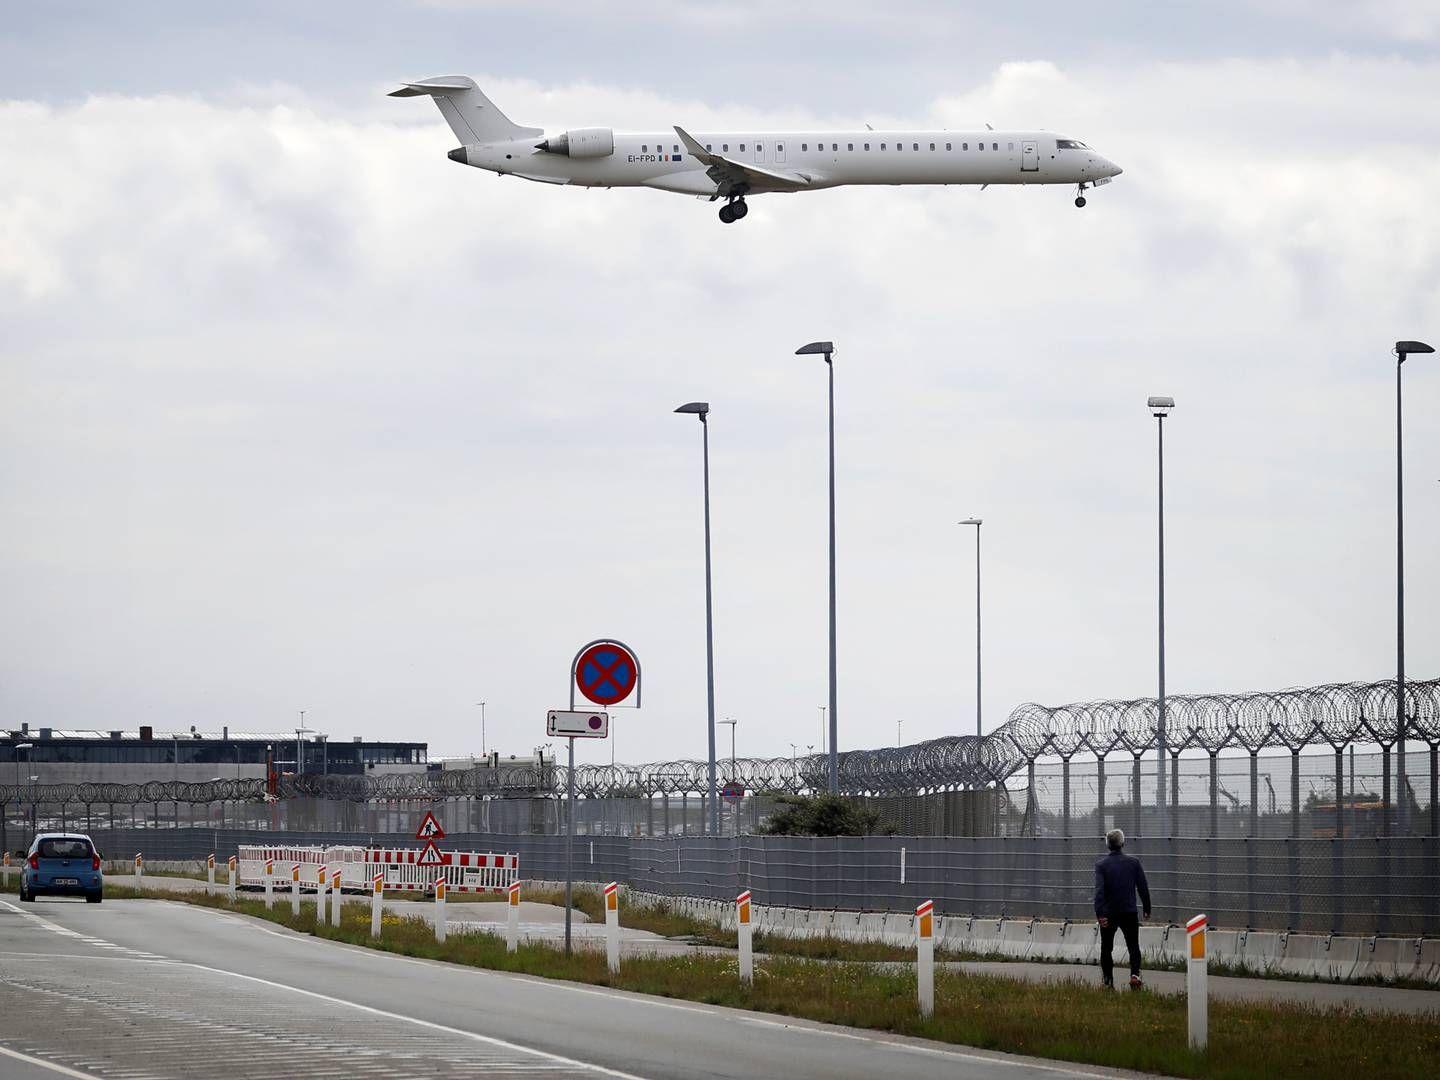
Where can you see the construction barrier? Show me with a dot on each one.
(402, 868)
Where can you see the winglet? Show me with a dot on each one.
(698, 152)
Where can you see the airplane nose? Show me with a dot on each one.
(1111, 169)
(458, 154)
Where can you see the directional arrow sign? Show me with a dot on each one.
(430, 856)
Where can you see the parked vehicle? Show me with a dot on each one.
(62, 864)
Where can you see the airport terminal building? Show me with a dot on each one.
(46, 755)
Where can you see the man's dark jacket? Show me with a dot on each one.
(1117, 876)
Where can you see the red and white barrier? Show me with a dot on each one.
(462, 871)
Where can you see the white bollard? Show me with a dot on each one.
(210, 874)
(269, 884)
(612, 926)
(925, 956)
(335, 896)
(440, 911)
(512, 922)
(377, 893)
(139, 868)
(321, 881)
(1197, 968)
(230, 868)
(746, 931)
(295, 890)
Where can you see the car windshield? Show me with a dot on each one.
(64, 848)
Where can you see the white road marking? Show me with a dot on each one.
(61, 1069)
(489, 1040)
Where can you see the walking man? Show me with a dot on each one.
(1117, 878)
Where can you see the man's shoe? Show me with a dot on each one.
(1136, 983)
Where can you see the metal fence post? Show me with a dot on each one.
(1254, 792)
(1214, 798)
(1135, 795)
(1065, 795)
(1295, 792)
(1100, 793)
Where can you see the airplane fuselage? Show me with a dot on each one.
(825, 159)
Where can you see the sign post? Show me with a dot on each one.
(377, 892)
(320, 881)
(1197, 969)
(139, 868)
(612, 926)
(440, 910)
(606, 672)
(210, 874)
(269, 884)
(746, 931)
(295, 890)
(925, 956)
(335, 894)
(231, 866)
(512, 921)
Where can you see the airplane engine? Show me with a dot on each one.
(580, 143)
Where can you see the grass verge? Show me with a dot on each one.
(1066, 1021)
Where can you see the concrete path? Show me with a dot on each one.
(1226, 988)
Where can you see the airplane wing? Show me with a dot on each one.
(730, 174)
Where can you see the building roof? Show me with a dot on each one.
(15, 735)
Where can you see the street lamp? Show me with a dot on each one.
(482, 729)
(898, 740)
(1402, 350)
(702, 410)
(977, 523)
(19, 804)
(299, 731)
(1161, 407)
(827, 350)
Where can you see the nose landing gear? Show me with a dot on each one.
(1080, 195)
(734, 210)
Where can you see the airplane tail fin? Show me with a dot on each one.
(470, 114)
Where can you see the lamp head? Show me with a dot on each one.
(1160, 405)
(699, 408)
(25, 746)
(971, 521)
(821, 348)
(1405, 348)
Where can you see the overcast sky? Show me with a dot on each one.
(297, 414)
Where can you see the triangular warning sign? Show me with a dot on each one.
(430, 856)
(429, 828)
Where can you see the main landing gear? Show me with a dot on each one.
(734, 210)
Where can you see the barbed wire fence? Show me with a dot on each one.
(1048, 771)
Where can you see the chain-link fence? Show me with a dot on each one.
(1352, 885)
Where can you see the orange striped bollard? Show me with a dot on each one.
(440, 910)
(612, 926)
(269, 884)
(320, 884)
(295, 889)
(1197, 977)
(210, 874)
(7, 869)
(512, 922)
(231, 866)
(335, 894)
(377, 893)
(746, 930)
(925, 956)
(139, 868)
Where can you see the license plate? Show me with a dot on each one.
(67, 881)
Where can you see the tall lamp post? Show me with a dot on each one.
(734, 772)
(482, 729)
(1402, 350)
(702, 410)
(977, 523)
(827, 350)
(1160, 408)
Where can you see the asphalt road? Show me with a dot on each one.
(150, 990)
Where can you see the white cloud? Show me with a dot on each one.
(300, 414)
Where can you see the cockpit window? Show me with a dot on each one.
(1070, 144)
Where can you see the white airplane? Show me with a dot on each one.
(731, 166)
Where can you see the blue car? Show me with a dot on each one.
(62, 864)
